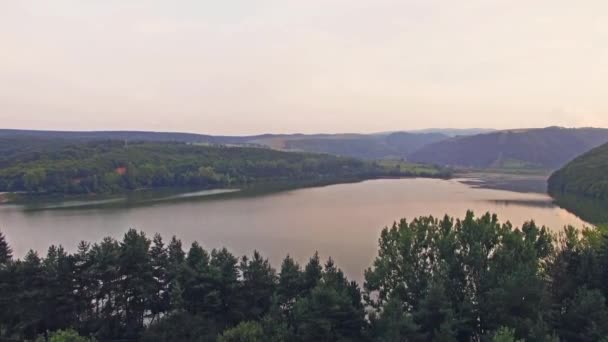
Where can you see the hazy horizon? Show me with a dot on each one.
(333, 66)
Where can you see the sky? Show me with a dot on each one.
(286, 66)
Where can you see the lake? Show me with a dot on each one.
(342, 221)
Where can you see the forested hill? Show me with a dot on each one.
(363, 146)
(81, 136)
(544, 148)
(586, 176)
(57, 166)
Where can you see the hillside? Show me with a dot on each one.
(544, 148)
(363, 146)
(57, 166)
(394, 145)
(586, 175)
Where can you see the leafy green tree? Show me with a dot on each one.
(33, 179)
(183, 327)
(393, 324)
(67, 336)
(244, 332)
(585, 317)
(435, 318)
(504, 335)
(467, 277)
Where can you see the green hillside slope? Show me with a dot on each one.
(586, 175)
(56, 166)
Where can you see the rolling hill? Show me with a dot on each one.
(543, 148)
(363, 146)
(395, 145)
(108, 166)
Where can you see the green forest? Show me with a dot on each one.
(56, 166)
(586, 176)
(469, 279)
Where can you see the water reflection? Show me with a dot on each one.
(539, 203)
(591, 210)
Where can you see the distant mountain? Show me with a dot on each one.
(452, 132)
(545, 148)
(364, 146)
(125, 135)
(395, 145)
(586, 175)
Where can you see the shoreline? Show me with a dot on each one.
(282, 183)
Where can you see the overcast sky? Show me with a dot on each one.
(253, 66)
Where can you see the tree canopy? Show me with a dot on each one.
(66, 167)
(469, 279)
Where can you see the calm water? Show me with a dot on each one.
(342, 221)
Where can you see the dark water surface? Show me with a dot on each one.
(342, 221)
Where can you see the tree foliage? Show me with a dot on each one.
(114, 166)
(470, 279)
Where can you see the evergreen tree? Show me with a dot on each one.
(177, 257)
(312, 274)
(86, 285)
(328, 312)
(224, 286)
(195, 280)
(159, 301)
(290, 283)
(136, 281)
(31, 285)
(258, 286)
(61, 303)
(6, 253)
(7, 287)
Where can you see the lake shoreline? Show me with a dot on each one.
(23, 198)
(279, 221)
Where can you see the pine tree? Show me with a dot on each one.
(328, 313)
(290, 283)
(224, 286)
(136, 280)
(194, 279)
(61, 308)
(159, 301)
(258, 286)
(6, 254)
(312, 274)
(31, 286)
